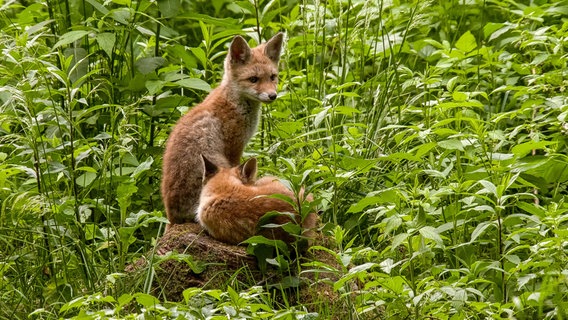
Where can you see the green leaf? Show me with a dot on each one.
(524, 279)
(360, 164)
(280, 262)
(146, 300)
(533, 209)
(106, 41)
(466, 42)
(431, 233)
(90, 230)
(388, 264)
(491, 27)
(460, 104)
(75, 303)
(480, 229)
(488, 187)
(540, 58)
(424, 148)
(287, 129)
(345, 259)
(124, 299)
(392, 223)
(398, 240)
(266, 219)
(523, 149)
(451, 144)
(194, 83)
(241, 7)
(86, 179)
(126, 235)
(230, 311)
(200, 55)
(167, 103)
(260, 240)
(126, 3)
(70, 37)
(148, 65)
(494, 34)
(121, 15)
(365, 202)
(397, 156)
(124, 192)
(144, 166)
(349, 111)
(320, 116)
(289, 282)
(497, 156)
(229, 23)
(37, 27)
(100, 8)
(353, 272)
(292, 228)
(133, 218)
(555, 170)
(154, 86)
(189, 293)
(169, 8)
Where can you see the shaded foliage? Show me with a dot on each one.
(433, 133)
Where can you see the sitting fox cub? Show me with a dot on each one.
(220, 126)
(232, 202)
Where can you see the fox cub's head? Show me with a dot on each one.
(245, 174)
(254, 72)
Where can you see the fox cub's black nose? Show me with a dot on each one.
(272, 96)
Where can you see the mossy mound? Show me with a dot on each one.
(187, 257)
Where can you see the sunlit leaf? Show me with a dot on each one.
(194, 83)
(70, 37)
(523, 149)
(431, 233)
(85, 179)
(451, 144)
(144, 166)
(146, 300)
(480, 229)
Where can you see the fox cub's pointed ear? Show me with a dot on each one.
(274, 46)
(239, 51)
(209, 168)
(248, 170)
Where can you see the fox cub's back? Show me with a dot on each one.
(232, 202)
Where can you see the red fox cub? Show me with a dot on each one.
(232, 202)
(220, 126)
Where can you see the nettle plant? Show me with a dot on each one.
(474, 157)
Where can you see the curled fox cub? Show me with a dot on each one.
(233, 201)
(220, 126)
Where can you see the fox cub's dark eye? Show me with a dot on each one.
(253, 79)
(273, 77)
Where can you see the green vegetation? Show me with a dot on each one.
(433, 134)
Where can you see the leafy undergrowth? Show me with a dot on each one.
(432, 133)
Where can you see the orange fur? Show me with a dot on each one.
(220, 126)
(232, 202)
